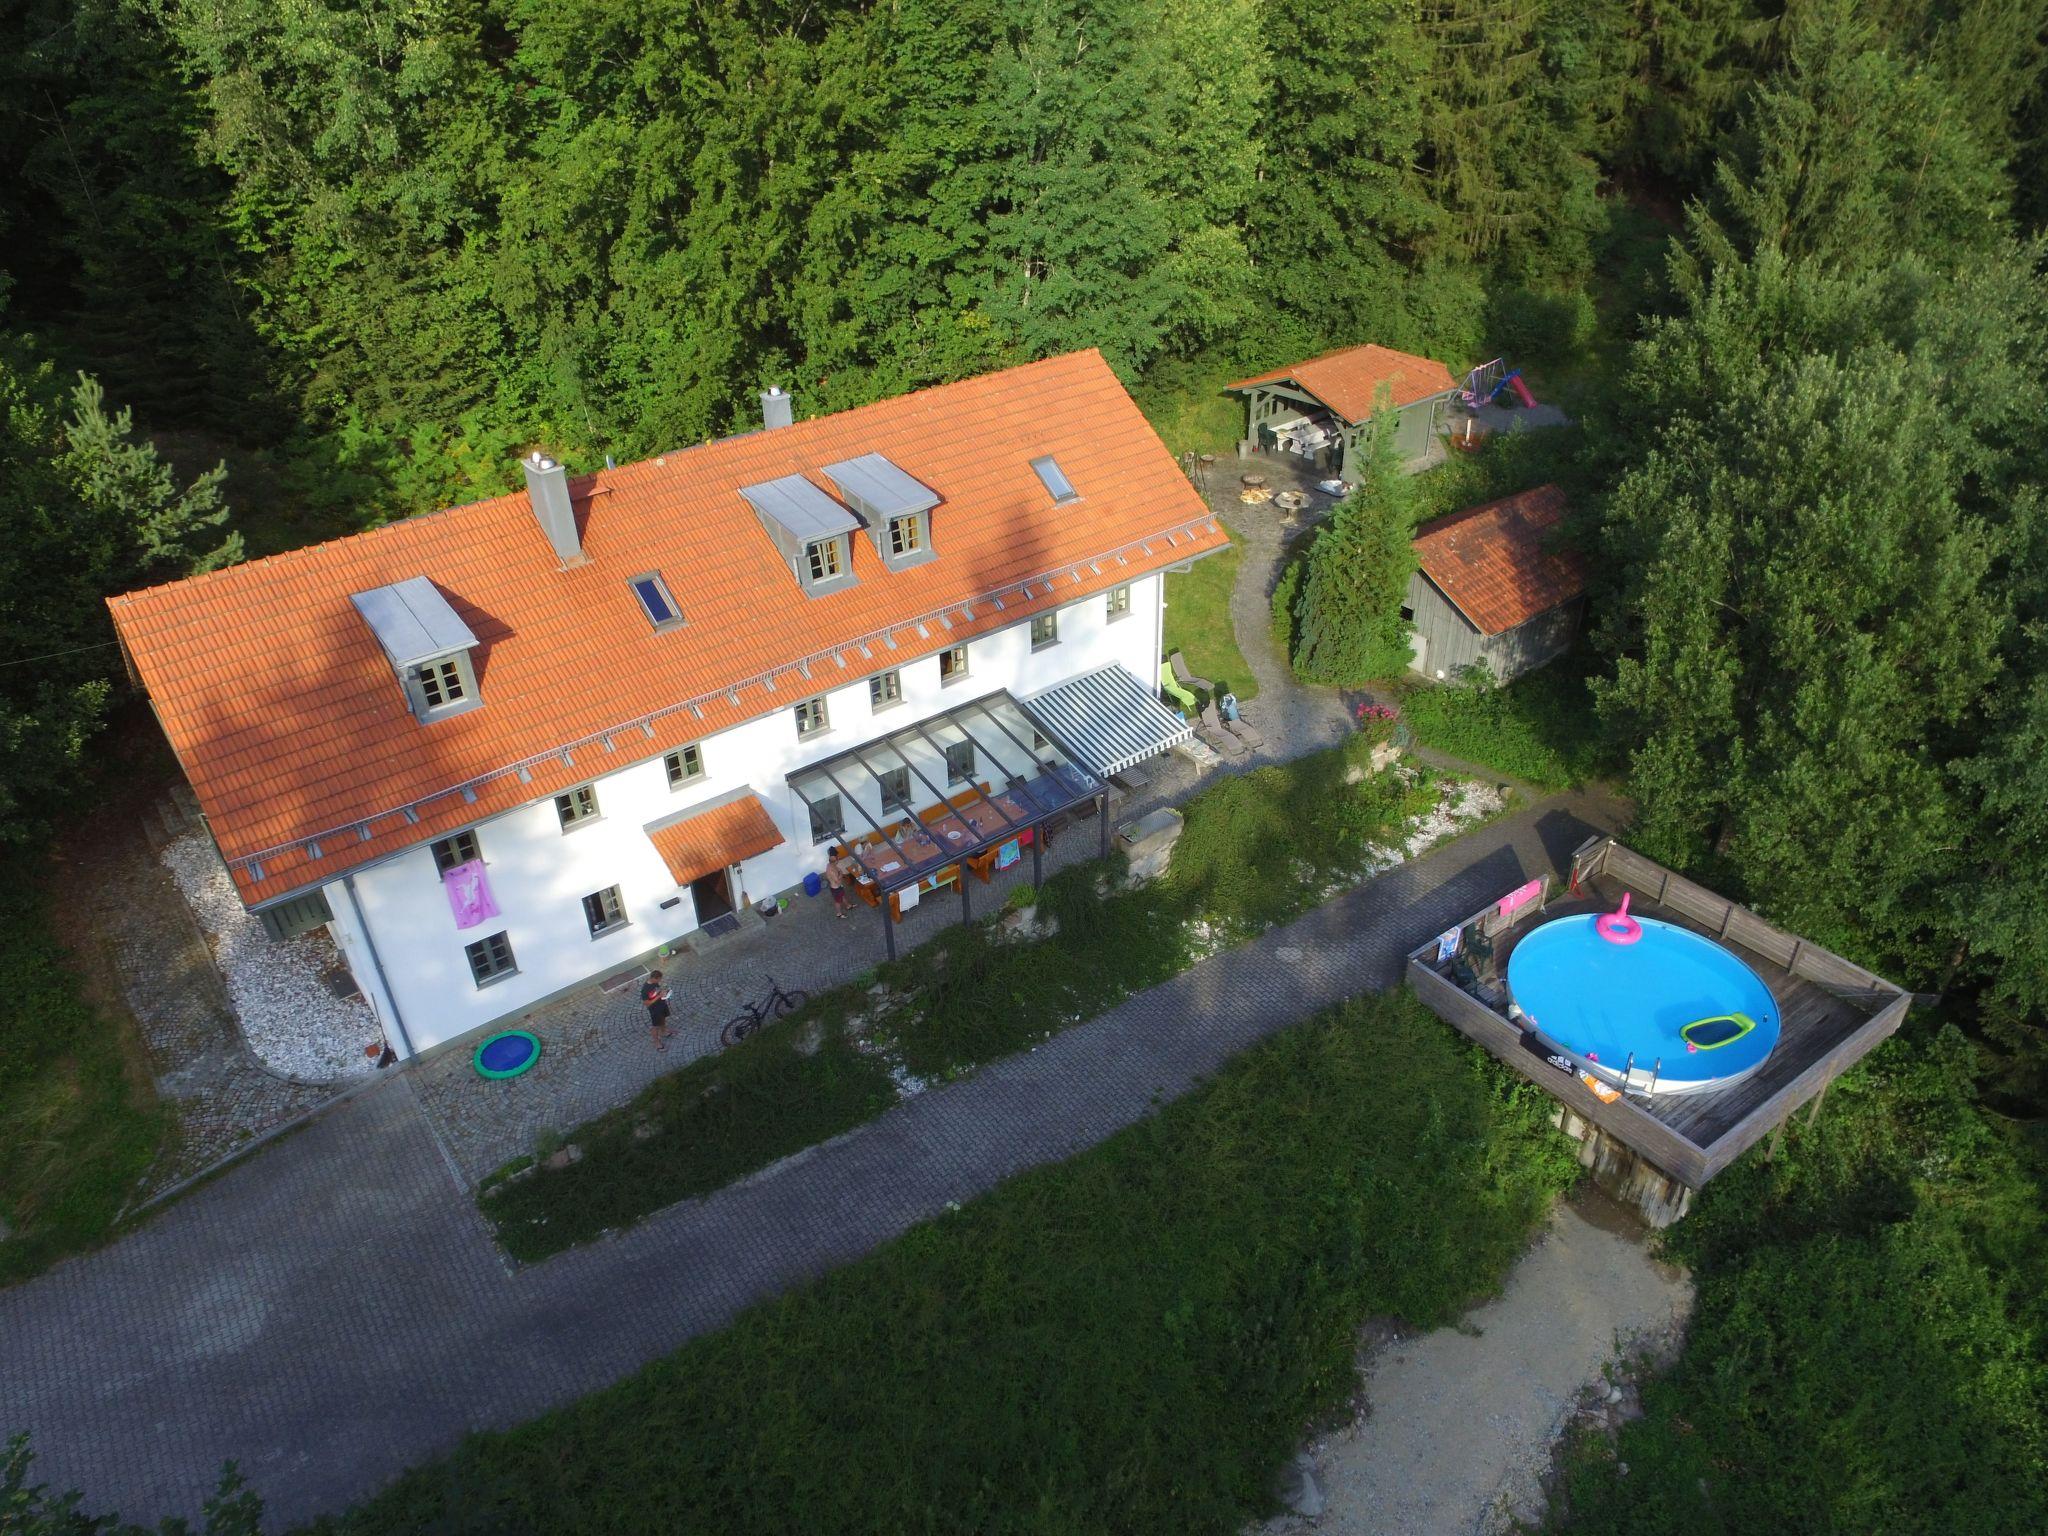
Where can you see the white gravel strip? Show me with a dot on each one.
(289, 1017)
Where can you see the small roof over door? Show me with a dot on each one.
(710, 836)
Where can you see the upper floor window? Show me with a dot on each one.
(459, 849)
(604, 910)
(825, 560)
(884, 689)
(1045, 630)
(1120, 601)
(684, 764)
(490, 959)
(655, 601)
(441, 683)
(906, 534)
(811, 718)
(577, 806)
(427, 643)
(953, 664)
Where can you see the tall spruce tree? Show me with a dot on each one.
(1348, 623)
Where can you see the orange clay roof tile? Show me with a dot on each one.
(727, 830)
(290, 725)
(1348, 380)
(1499, 562)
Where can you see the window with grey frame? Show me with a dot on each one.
(603, 911)
(456, 849)
(952, 664)
(1045, 631)
(825, 560)
(656, 601)
(884, 689)
(828, 819)
(906, 535)
(577, 806)
(683, 765)
(811, 718)
(443, 686)
(490, 959)
(895, 784)
(1120, 602)
(959, 762)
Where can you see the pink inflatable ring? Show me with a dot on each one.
(1617, 927)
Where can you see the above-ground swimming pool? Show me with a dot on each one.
(1692, 1014)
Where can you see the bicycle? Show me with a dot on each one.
(775, 1005)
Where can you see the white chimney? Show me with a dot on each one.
(777, 410)
(547, 487)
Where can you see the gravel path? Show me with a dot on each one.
(290, 1018)
(1459, 1425)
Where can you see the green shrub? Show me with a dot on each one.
(1539, 729)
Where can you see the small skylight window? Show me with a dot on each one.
(660, 608)
(1055, 480)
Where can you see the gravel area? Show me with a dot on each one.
(290, 1017)
(1456, 1429)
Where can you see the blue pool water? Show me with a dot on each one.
(1597, 1002)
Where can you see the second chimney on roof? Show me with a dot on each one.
(547, 487)
(776, 408)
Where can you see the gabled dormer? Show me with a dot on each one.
(896, 507)
(813, 532)
(429, 647)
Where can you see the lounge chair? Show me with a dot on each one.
(1210, 732)
(1184, 677)
(1239, 727)
(1183, 700)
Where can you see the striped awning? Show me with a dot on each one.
(710, 836)
(1107, 719)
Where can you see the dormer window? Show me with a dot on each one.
(1055, 480)
(427, 644)
(825, 560)
(895, 505)
(810, 530)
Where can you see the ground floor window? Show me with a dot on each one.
(604, 911)
(490, 959)
(959, 762)
(827, 821)
(895, 789)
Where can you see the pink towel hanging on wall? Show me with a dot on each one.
(469, 894)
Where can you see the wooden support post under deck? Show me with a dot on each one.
(1819, 1099)
(1771, 1152)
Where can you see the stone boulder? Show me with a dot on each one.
(1148, 843)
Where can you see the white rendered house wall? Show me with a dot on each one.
(539, 872)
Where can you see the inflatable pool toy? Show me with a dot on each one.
(506, 1054)
(1711, 1034)
(1617, 927)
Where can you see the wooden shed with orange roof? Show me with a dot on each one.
(1322, 409)
(1495, 587)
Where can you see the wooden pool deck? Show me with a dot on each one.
(1833, 1013)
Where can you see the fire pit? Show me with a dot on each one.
(1254, 481)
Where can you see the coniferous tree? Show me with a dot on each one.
(1348, 623)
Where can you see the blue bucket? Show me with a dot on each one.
(813, 884)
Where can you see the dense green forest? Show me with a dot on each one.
(1784, 259)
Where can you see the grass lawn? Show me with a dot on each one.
(1540, 728)
(1869, 1350)
(1198, 622)
(1131, 1341)
(79, 1118)
(1257, 850)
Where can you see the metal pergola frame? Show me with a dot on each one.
(1061, 782)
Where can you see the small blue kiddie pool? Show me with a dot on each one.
(1644, 1004)
(507, 1053)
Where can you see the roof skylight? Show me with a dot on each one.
(1055, 480)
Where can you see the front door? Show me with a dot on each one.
(713, 895)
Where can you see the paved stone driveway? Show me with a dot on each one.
(333, 1311)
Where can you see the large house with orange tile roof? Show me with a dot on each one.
(1322, 409)
(1495, 588)
(510, 749)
